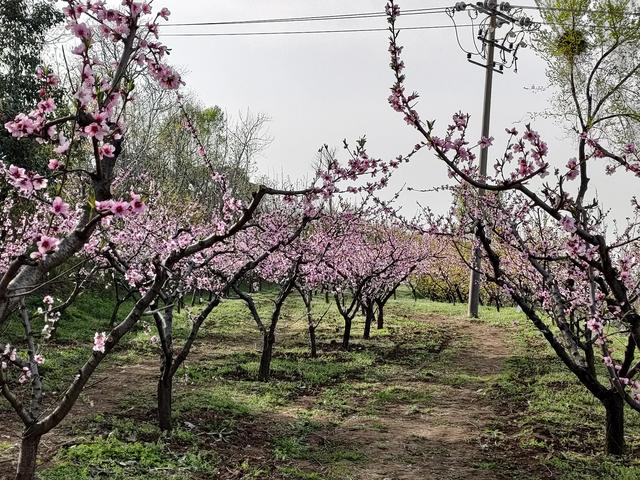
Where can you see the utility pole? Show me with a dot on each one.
(474, 281)
(495, 16)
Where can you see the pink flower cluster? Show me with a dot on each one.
(26, 181)
(121, 208)
(99, 342)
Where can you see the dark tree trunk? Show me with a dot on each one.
(414, 293)
(347, 333)
(380, 315)
(165, 397)
(459, 293)
(312, 341)
(326, 296)
(614, 406)
(395, 296)
(265, 359)
(307, 299)
(368, 320)
(28, 456)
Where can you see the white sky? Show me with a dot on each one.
(322, 88)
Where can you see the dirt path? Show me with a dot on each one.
(446, 440)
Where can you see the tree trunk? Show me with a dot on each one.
(28, 456)
(614, 406)
(368, 319)
(414, 293)
(380, 315)
(326, 296)
(459, 293)
(312, 341)
(265, 359)
(165, 397)
(347, 333)
(307, 299)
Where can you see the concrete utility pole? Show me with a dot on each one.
(474, 281)
(495, 16)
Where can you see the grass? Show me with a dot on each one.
(314, 420)
(117, 459)
(553, 418)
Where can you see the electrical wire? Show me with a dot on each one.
(306, 32)
(342, 16)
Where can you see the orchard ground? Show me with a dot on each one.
(433, 395)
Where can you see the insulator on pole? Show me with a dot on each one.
(460, 6)
(524, 22)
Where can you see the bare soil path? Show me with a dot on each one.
(447, 440)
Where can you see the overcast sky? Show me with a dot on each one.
(325, 87)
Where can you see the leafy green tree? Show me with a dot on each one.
(23, 28)
(592, 49)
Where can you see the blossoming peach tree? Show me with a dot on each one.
(79, 217)
(548, 242)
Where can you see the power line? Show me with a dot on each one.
(306, 32)
(342, 16)
(351, 16)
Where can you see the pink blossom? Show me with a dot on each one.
(47, 106)
(39, 359)
(485, 142)
(63, 145)
(59, 207)
(166, 76)
(48, 299)
(54, 164)
(80, 30)
(99, 340)
(568, 223)
(47, 244)
(16, 173)
(133, 277)
(120, 208)
(79, 49)
(104, 205)
(97, 131)
(26, 375)
(572, 165)
(164, 13)
(136, 203)
(107, 150)
(10, 353)
(39, 182)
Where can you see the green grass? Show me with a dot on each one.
(555, 419)
(120, 460)
(549, 422)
